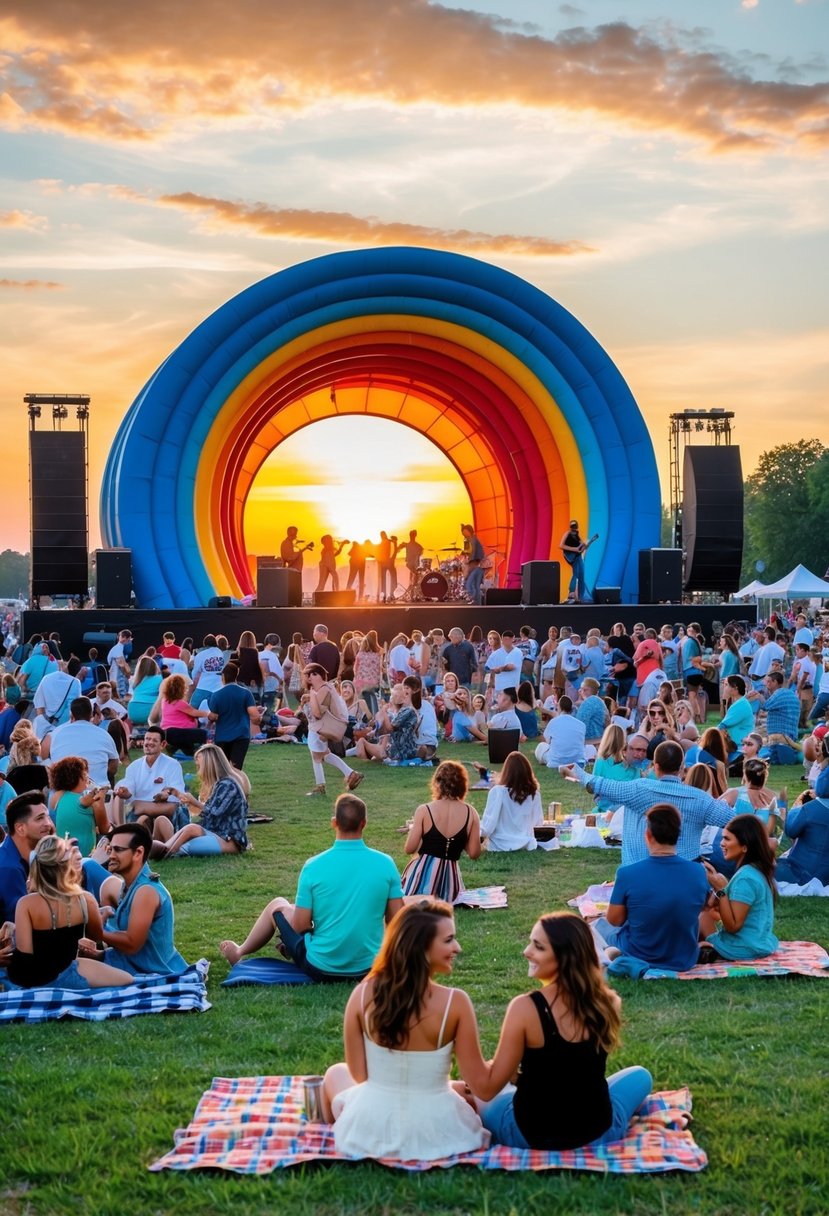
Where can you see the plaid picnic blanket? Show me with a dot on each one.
(790, 958)
(482, 897)
(151, 994)
(253, 1125)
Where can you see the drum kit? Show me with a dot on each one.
(440, 579)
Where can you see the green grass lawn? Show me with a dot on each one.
(84, 1108)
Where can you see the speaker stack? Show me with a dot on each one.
(278, 587)
(59, 544)
(113, 578)
(712, 518)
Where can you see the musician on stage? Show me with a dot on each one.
(329, 552)
(573, 547)
(291, 552)
(357, 555)
(414, 552)
(473, 555)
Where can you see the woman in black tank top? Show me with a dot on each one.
(557, 1041)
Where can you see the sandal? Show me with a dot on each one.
(318, 789)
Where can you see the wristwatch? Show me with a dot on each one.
(720, 894)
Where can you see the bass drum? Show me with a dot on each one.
(434, 586)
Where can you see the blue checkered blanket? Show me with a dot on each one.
(183, 993)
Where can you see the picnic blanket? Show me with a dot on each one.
(594, 901)
(183, 993)
(482, 897)
(813, 887)
(265, 971)
(253, 1125)
(790, 958)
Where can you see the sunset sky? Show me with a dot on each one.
(659, 168)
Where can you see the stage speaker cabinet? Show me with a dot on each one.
(540, 583)
(58, 538)
(278, 587)
(501, 596)
(607, 595)
(335, 599)
(660, 576)
(113, 578)
(220, 601)
(712, 518)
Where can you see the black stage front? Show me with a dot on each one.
(147, 625)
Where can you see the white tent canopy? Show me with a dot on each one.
(752, 589)
(799, 584)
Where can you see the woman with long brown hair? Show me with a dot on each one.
(441, 831)
(177, 717)
(557, 1040)
(368, 669)
(513, 808)
(392, 1097)
(247, 660)
(742, 906)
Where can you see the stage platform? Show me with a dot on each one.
(148, 625)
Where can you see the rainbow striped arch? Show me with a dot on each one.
(523, 401)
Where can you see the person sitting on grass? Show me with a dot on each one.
(564, 738)
(392, 1097)
(591, 711)
(51, 921)
(513, 808)
(807, 824)
(655, 905)
(464, 727)
(333, 930)
(138, 936)
(555, 1042)
(178, 718)
(78, 809)
(441, 831)
(742, 906)
(222, 805)
(526, 710)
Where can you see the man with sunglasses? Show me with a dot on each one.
(138, 935)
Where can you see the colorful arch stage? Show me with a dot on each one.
(520, 397)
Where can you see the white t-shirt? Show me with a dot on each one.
(83, 739)
(505, 719)
(120, 710)
(56, 692)
(427, 725)
(144, 782)
(399, 659)
(565, 736)
(208, 666)
(176, 667)
(271, 660)
(509, 658)
(116, 653)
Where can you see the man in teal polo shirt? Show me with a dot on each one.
(344, 897)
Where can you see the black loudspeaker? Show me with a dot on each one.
(660, 576)
(113, 578)
(59, 544)
(607, 595)
(540, 583)
(502, 595)
(278, 587)
(712, 518)
(335, 599)
(220, 601)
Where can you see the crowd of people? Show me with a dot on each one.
(625, 716)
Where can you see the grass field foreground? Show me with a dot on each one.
(86, 1107)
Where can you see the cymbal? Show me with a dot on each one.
(450, 549)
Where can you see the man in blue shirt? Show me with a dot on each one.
(695, 806)
(782, 706)
(233, 708)
(808, 827)
(28, 821)
(654, 909)
(344, 896)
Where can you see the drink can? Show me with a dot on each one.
(554, 812)
(312, 1093)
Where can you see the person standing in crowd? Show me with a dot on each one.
(458, 657)
(233, 709)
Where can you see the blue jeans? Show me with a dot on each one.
(577, 584)
(208, 845)
(819, 707)
(472, 584)
(628, 1090)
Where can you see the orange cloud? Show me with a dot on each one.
(94, 70)
(24, 220)
(340, 227)
(31, 284)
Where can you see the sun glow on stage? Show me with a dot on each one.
(353, 476)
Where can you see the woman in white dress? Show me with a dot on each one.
(513, 808)
(392, 1097)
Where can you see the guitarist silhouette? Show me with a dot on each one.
(574, 548)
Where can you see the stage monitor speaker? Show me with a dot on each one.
(607, 595)
(540, 583)
(113, 578)
(59, 544)
(335, 599)
(660, 576)
(712, 518)
(278, 587)
(501, 596)
(220, 601)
